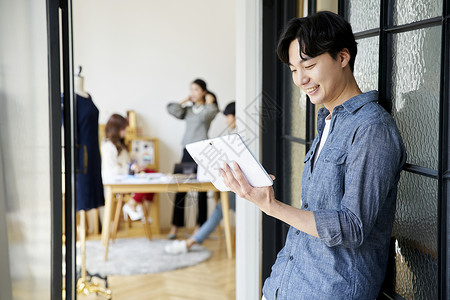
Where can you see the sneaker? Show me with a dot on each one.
(176, 248)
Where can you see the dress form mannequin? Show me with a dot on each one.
(89, 184)
(79, 86)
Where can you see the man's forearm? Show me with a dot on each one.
(298, 218)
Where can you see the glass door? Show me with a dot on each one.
(30, 197)
(34, 263)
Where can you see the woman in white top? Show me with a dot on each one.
(117, 161)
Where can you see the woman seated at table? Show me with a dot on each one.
(117, 161)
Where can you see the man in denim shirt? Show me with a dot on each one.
(338, 243)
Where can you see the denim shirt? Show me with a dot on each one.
(351, 189)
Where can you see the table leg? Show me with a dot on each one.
(107, 220)
(226, 221)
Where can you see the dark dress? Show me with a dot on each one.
(89, 185)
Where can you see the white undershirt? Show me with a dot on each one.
(324, 137)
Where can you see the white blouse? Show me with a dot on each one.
(112, 162)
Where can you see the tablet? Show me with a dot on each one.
(212, 153)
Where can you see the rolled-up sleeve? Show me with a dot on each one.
(373, 165)
(176, 110)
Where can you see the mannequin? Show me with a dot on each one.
(89, 185)
(79, 84)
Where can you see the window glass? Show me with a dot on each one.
(363, 15)
(295, 112)
(366, 64)
(415, 233)
(415, 90)
(408, 11)
(25, 216)
(294, 169)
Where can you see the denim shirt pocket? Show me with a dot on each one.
(334, 173)
(336, 156)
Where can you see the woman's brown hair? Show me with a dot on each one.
(115, 124)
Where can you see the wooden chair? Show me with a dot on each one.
(119, 205)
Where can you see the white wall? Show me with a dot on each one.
(140, 54)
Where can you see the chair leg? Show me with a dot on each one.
(117, 216)
(147, 229)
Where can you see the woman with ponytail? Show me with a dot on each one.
(197, 110)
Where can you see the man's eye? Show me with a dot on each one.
(310, 66)
(293, 71)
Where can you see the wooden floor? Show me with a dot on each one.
(213, 279)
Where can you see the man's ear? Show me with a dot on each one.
(344, 57)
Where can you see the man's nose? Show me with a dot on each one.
(301, 78)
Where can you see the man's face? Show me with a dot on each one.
(321, 77)
(231, 121)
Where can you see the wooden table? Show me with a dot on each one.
(136, 185)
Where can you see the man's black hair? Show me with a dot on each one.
(230, 109)
(317, 34)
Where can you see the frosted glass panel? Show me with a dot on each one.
(24, 150)
(366, 64)
(363, 14)
(294, 153)
(408, 11)
(296, 113)
(416, 79)
(415, 231)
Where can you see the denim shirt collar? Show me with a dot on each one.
(354, 103)
(351, 105)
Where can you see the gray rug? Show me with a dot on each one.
(139, 256)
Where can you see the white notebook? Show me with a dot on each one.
(212, 153)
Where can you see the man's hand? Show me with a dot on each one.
(263, 197)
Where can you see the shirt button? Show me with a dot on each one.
(297, 232)
(306, 205)
(291, 257)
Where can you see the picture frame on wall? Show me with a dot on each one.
(144, 150)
